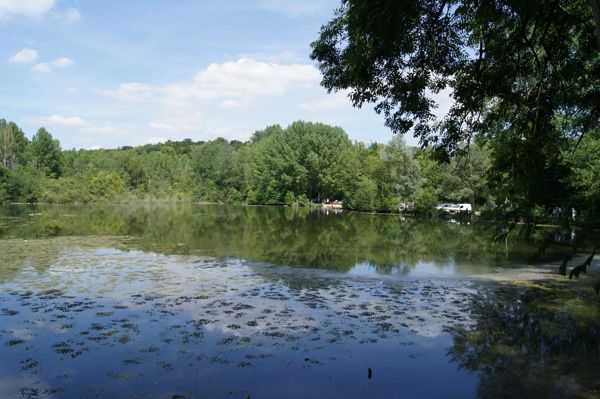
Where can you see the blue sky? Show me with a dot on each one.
(112, 73)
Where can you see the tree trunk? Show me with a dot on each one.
(8, 149)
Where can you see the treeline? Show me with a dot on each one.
(303, 163)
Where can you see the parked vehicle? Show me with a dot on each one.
(455, 208)
(459, 208)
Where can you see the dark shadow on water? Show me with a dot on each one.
(537, 341)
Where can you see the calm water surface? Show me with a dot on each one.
(206, 301)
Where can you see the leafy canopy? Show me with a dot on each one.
(520, 63)
(45, 151)
(524, 76)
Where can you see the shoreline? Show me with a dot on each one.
(476, 215)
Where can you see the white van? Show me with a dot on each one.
(459, 208)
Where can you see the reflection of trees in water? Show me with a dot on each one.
(41, 254)
(16, 254)
(529, 343)
(297, 237)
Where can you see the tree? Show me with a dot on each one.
(347, 171)
(402, 167)
(265, 133)
(585, 179)
(214, 162)
(106, 185)
(300, 159)
(13, 145)
(133, 169)
(319, 147)
(276, 169)
(23, 184)
(465, 177)
(364, 196)
(45, 153)
(3, 184)
(524, 76)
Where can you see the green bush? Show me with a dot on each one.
(23, 184)
(290, 198)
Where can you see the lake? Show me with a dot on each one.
(222, 301)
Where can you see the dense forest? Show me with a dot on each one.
(303, 163)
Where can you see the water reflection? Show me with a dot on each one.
(286, 236)
(221, 301)
(537, 341)
(107, 322)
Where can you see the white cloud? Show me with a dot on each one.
(231, 104)
(228, 85)
(71, 122)
(46, 67)
(57, 120)
(249, 78)
(62, 62)
(42, 67)
(27, 8)
(72, 90)
(135, 92)
(244, 79)
(24, 56)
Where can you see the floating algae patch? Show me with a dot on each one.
(8, 312)
(14, 342)
(124, 376)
